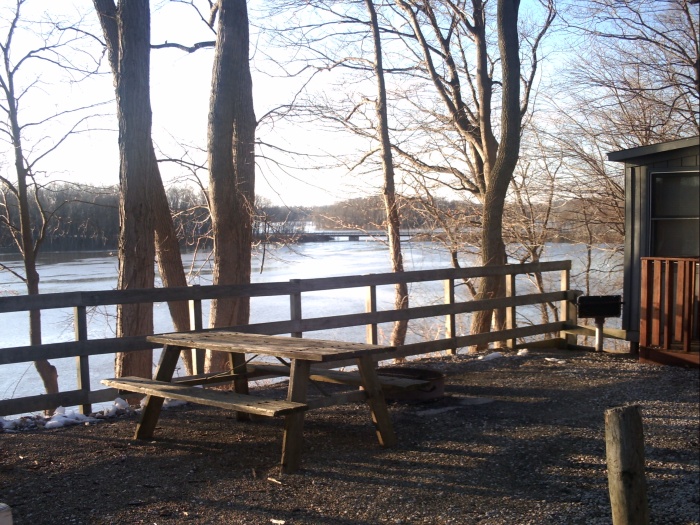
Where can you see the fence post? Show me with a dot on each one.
(567, 309)
(371, 307)
(82, 361)
(295, 306)
(5, 514)
(196, 323)
(511, 323)
(624, 450)
(450, 319)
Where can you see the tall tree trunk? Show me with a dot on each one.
(499, 175)
(393, 220)
(231, 148)
(167, 247)
(136, 238)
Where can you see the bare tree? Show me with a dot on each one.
(55, 50)
(231, 155)
(136, 216)
(167, 247)
(393, 220)
(445, 33)
(632, 80)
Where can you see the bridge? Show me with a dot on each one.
(336, 235)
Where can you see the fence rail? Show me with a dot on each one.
(669, 303)
(296, 325)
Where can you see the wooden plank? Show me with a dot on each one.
(567, 308)
(68, 398)
(196, 323)
(83, 361)
(339, 377)
(588, 330)
(371, 335)
(284, 347)
(107, 346)
(439, 345)
(376, 402)
(151, 410)
(219, 398)
(656, 304)
(216, 378)
(678, 303)
(292, 441)
(511, 313)
(450, 319)
(240, 381)
(23, 354)
(295, 314)
(667, 305)
(186, 293)
(645, 302)
(388, 316)
(688, 301)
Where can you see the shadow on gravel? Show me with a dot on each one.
(516, 442)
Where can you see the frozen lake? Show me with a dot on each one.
(85, 271)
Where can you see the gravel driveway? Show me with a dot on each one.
(515, 440)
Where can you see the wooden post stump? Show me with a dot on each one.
(5, 514)
(624, 447)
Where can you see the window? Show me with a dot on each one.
(675, 214)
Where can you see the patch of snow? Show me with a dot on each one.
(523, 351)
(62, 418)
(555, 360)
(489, 357)
(168, 403)
(8, 424)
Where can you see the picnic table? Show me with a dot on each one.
(296, 356)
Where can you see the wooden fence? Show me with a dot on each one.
(82, 347)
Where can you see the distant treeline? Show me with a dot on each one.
(87, 218)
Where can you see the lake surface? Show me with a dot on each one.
(85, 271)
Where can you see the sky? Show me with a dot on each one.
(180, 99)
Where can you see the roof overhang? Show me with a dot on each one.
(643, 151)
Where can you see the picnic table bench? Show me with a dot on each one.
(300, 353)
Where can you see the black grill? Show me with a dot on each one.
(599, 306)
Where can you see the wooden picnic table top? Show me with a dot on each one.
(279, 346)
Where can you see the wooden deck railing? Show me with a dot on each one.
(669, 303)
(297, 325)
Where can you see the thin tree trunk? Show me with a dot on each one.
(393, 220)
(231, 148)
(47, 372)
(136, 239)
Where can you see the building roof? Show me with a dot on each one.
(643, 151)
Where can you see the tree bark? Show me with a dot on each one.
(393, 220)
(231, 155)
(136, 239)
(493, 251)
(167, 246)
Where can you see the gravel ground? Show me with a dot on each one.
(515, 440)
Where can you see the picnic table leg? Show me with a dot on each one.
(294, 423)
(376, 401)
(240, 382)
(151, 410)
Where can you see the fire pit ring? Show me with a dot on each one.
(435, 389)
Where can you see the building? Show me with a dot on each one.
(662, 245)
